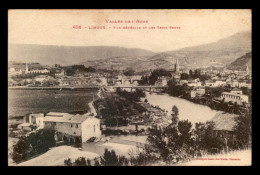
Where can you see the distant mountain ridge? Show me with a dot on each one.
(242, 62)
(68, 55)
(222, 52)
(219, 54)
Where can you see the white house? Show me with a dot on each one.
(199, 91)
(71, 127)
(234, 97)
(42, 78)
(210, 83)
(34, 120)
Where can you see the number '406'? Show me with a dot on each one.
(77, 26)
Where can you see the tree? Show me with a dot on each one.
(129, 72)
(19, 150)
(191, 74)
(243, 129)
(175, 113)
(184, 76)
(96, 162)
(111, 159)
(67, 162)
(35, 143)
(88, 162)
(184, 128)
(81, 161)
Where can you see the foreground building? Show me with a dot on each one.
(73, 128)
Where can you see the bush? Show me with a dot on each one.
(81, 161)
(67, 162)
(111, 159)
(19, 150)
(35, 143)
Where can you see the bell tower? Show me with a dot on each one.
(26, 68)
(177, 67)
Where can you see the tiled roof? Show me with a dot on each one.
(66, 118)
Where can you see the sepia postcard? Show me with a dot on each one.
(129, 87)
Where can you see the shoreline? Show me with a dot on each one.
(52, 88)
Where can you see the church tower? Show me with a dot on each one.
(247, 70)
(177, 67)
(26, 68)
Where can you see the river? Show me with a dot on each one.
(187, 110)
(22, 101)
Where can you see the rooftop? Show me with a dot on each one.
(67, 118)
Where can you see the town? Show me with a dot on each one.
(225, 90)
(118, 96)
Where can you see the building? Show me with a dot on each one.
(220, 83)
(194, 83)
(42, 78)
(32, 121)
(234, 98)
(197, 92)
(210, 83)
(162, 81)
(73, 128)
(177, 66)
(60, 73)
(28, 71)
(236, 91)
(233, 83)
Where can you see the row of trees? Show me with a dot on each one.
(178, 90)
(70, 71)
(131, 96)
(155, 74)
(117, 110)
(34, 144)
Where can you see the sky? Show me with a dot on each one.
(55, 27)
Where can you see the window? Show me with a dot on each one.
(71, 125)
(77, 125)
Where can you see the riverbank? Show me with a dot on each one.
(54, 88)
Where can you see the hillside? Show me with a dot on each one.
(217, 54)
(241, 62)
(220, 53)
(67, 55)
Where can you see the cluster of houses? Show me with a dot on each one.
(67, 126)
